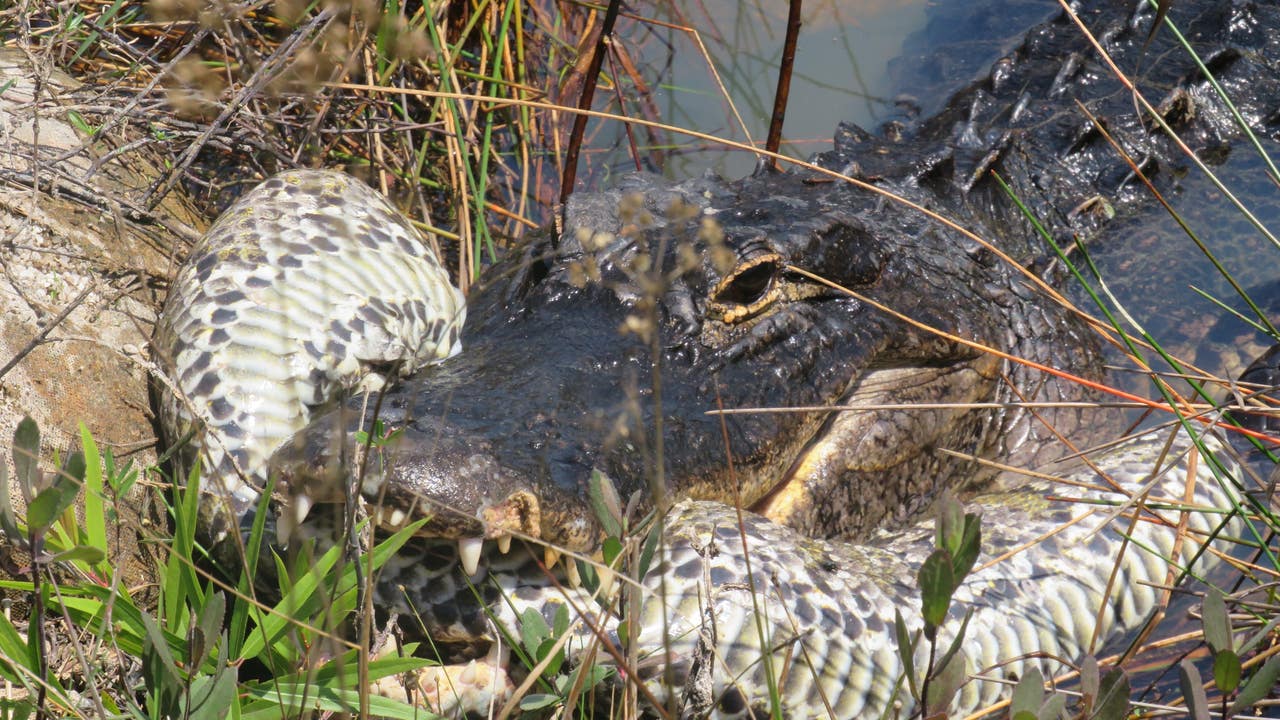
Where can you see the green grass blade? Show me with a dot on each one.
(95, 512)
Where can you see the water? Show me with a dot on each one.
(840, 72)
(861, 61)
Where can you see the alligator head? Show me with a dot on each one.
(609, 347)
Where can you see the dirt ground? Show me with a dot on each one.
(82, 272)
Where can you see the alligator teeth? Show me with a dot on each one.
(291, 517)
(550, 557)
(504, 543)
(469, 553)
(571, 573)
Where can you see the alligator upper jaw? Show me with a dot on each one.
(500, 442)
(426, 469)
(477, 484)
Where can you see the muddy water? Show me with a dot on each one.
(713, 66)
(840, 73)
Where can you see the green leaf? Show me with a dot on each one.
(210, 698)
(160, 673)
(1193, 690)
(650, 547)
(15, 650)
(1053, 707)
(595, 674)
(205, 631)
(26, 454)
(8, 520)
(538, 701)
(950, 525)
(946, 683)
(1263, 634)
(1113, 696)
(1028, 694)
(274, 699)
(1089, 682)
(533, 631)
(605, 503)
(95, 518)
(211, 616)
(1217, 625)
(179, 580)
(49, 505)
(610, 549)
(906, 652)
(936, 584)
(73, 469)
(958, 641)
(1257, 687)
(1226, 671)
(560, 626)
(968, 548)
(544, 651)
(82, 553)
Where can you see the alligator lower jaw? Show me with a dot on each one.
(861, 451)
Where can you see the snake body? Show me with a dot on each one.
(309, 286)
(824, 612)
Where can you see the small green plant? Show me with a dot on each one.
(958, 540)
(379, 438)
(193, 644)
(1239, 692)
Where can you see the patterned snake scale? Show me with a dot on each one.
(312, 284)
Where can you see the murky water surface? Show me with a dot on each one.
(713, 66)
(840, 72)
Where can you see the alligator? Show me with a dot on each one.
(810, 305)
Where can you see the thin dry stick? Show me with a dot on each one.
(274, 64)
(784, 81)
(584, 102)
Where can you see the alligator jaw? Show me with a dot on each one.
(875, 464)
(468, 496)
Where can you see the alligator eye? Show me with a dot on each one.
(747, 286)
(747, 290)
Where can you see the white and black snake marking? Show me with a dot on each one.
(309, 286)
(312, 282)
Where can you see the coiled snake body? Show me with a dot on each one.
(307, 287)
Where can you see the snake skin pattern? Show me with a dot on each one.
(826, 609)
(310, 286)
(313, 285)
